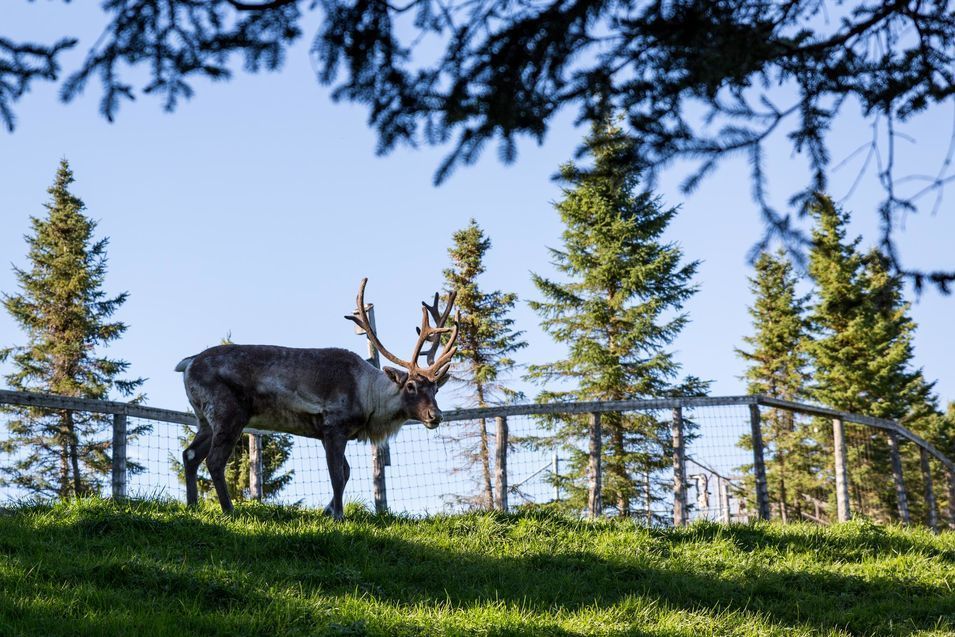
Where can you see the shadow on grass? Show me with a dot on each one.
(853, 541)
(199, 567)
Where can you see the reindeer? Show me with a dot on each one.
(331, 394)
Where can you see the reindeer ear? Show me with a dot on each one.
(397, 376)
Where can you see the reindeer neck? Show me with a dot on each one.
(384, 402)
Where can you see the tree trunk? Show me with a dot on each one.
(594, 503)
(619, 467)
(74, 456)
(488, 495)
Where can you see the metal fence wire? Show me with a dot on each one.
(730, 459)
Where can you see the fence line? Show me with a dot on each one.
(847, 448)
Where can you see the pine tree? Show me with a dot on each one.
(617, 311)
(862, 354)
(778, 367)
(65, 313)
(486, 341)
(898, 391)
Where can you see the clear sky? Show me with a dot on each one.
(257, 207)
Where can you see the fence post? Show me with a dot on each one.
(500, 462)
(679, 469)
(119, 456)
(255, 467)
(724, 488)
(594, 502)
(929, 492)
(555, 469)
(759, 464)
(380, 452)
(842, 473)
(702, 482)
(951, 499)
(900, 495)
(380, 458)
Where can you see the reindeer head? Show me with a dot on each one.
(417, 385)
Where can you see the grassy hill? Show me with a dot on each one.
(100, 568)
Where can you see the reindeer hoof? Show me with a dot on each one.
(332, 513)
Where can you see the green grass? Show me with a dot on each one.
(144, 568)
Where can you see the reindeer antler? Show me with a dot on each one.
(440, 318)
(435, 370)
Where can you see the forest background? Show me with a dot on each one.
(257, 208)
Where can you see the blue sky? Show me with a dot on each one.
(257, 207)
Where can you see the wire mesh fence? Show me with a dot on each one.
(661, 462)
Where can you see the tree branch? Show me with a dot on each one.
(265, 6)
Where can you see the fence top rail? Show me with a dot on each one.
(51, 401)
(881, 423)
(593, 407)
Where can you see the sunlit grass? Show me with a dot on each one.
(145, 568)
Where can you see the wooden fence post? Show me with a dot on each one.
(256, 491)
(555, 471)
(951, 499)
(724, 488)
(900, 495)
(500, 462)
(119, 456)
(702, 494)
(380, 458)
(759, 464)
(842, 472)
(680, 517)
(594, 502)
(929, 492)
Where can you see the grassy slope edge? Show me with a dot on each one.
(96, 567)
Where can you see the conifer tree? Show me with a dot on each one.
(65, 313)
(778, 367)
(898, 391)
(617, 309)
(486, 341)
(862, 353)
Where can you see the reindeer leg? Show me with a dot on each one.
(192, 457)
(338, 471)
(227, 429)
(329, 508)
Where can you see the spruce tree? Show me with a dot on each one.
(65, 313)
(617, 309)
(862, 354)
(486, 341)
(898, 391)
(778, 367)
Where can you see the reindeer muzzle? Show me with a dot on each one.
(433, 419)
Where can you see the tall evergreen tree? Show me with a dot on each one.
(66, 315)
(862, 353)
(486, 341)
(618, 309)
(778, 367)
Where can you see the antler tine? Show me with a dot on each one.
(440, 318)
(443, 364)
(362, 321)
(425, 332)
